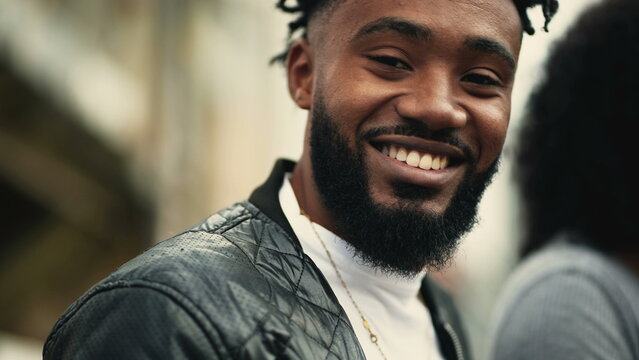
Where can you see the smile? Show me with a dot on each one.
(414, 158)
(418, 161)
(419, 153)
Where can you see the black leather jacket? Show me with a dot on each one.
(236, 286)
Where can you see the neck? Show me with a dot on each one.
(308, 196)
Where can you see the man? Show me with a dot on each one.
(408, 108)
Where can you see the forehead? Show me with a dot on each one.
(449, 20)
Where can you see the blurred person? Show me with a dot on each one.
(576, 295)
(408, 105)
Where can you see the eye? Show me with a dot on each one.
(391, 61)
(481, 79)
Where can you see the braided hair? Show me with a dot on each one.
(307, 8)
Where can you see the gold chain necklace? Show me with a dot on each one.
(365, 323)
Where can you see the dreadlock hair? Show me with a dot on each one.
(576, 156)
(307, 8)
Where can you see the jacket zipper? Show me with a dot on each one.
(456, 343)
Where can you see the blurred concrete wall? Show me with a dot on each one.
(181, 88)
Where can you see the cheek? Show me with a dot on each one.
(352, 98)
(491, 125)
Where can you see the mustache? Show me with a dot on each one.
(419, 130)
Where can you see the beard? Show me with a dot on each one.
(403, 239)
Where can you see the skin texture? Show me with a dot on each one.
(445, 67)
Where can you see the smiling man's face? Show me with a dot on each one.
(409, 106)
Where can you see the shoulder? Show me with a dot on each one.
(225, 250)
(228, 247)
(205, 282)
(567, 270)
(566, 301)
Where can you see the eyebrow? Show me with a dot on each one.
(424, 33)
(403, 27)
(490, 46)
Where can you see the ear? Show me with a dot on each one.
(299, 68)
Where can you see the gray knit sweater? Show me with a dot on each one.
(568, 302)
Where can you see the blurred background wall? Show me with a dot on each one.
(122, 122)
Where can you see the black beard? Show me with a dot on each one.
(405, 239)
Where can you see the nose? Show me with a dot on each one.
(432, 101)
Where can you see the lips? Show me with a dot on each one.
(414, 158)
(419, 153)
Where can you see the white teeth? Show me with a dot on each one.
(401, 154)
(413, 159)
(393, 151)
(425, 162)
(435, 164)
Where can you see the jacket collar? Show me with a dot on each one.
(266, 198)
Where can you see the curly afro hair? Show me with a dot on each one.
(576, 148)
